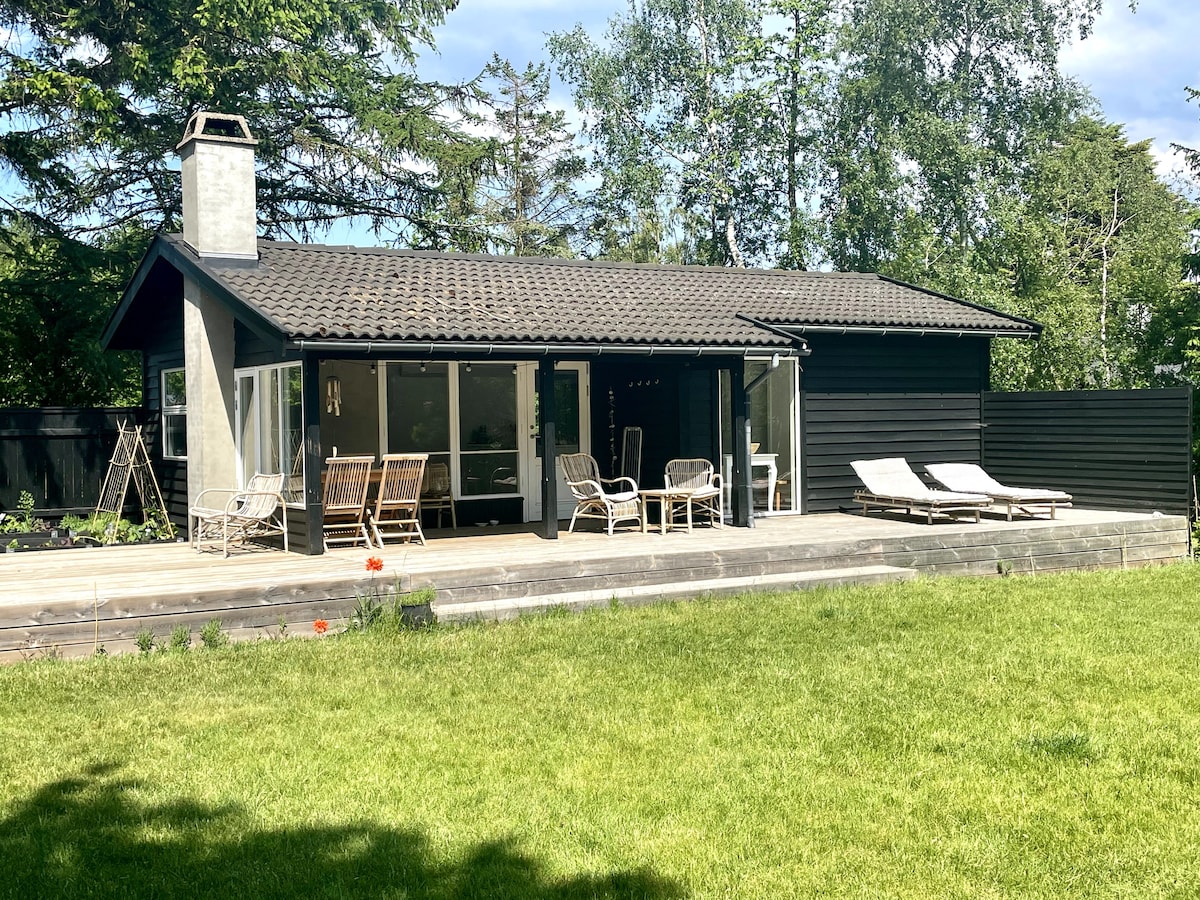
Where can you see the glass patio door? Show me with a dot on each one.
(572, 432)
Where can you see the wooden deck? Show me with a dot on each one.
(68, 601)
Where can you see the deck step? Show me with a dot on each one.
(638, 595)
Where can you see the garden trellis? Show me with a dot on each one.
(130, 461)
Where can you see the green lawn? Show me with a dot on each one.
(945, 738)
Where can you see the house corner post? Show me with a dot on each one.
(547, 416)
(310, 403)
(743, 497)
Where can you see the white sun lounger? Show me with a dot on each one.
(970, 477)
(892, 484)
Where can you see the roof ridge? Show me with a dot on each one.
(407, 252)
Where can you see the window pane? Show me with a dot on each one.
(418, 408)
(247, 426)
(773, 429)
(487, 408)
(271, 449)
(566, 398)
(489, 473)
(293, 461)
(175, 435)
(174, 388)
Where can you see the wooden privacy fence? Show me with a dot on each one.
(1118, 450)
(59, 455)
(1121, 450)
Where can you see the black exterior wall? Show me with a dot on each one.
(671, 400)
(871, 396)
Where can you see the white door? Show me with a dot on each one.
(572, 432)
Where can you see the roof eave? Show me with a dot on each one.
(418, 348)
(172, 251)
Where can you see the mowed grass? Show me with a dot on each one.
(946, 738)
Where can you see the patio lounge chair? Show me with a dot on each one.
(970, 477)
(699, 477)
(256, 512)
(398, 507)
(346, 481)
(592, 500)
(892, 484)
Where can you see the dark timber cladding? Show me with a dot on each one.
(1122, 450)
(871, 396)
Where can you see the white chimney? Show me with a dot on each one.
(217, 154)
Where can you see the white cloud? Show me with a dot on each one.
(1137, 65)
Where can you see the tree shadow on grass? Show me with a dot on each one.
(92, 836)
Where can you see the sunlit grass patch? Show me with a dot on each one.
(949, 738)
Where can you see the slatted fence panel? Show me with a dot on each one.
(1121, 450)
(59, 455)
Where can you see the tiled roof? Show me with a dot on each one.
(330, 293)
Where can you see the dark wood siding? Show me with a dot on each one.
(163, 349)
(252, 350)
(871, 396)
(1123, 450)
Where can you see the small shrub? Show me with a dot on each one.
(211, 635)
(22, 520)
(1004, 568)
(144, 640)
(181, 638)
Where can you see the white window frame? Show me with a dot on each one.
(172, 411)
(456, 451)
(257, 373)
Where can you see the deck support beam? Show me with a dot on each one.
(547, 415)
(742, 495)
(310, 405)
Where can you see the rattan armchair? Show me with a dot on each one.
(705, 495)
(257, 512)
(592, 499)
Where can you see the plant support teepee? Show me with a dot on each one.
(130, 461)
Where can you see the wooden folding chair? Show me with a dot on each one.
(346, 482)
(398, 507)
(436, 492)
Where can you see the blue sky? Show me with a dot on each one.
(1136, 64)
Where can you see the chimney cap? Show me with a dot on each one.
(224, 128)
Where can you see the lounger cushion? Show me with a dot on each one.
(894, 479)
(970, 477)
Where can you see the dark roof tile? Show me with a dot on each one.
(315, 291)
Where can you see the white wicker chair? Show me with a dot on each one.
(699, 477)
(592, 499)
(258, 511)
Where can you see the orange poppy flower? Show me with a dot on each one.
(320, 626)
(374, 564)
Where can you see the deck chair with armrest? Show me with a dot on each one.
(892, 484)
(972, 478)
(593, 500)
(347, 479)
(397, 511)
(256, 512)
